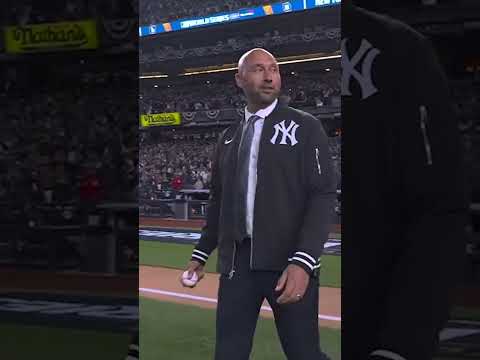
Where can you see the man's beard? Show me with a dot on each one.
(267, 99)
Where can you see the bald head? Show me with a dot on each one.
(244, 58)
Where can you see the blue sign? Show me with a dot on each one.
(237, 15)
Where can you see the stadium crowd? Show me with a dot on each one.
(272, 39)
(155, 12)
(179, 162)
(300, 89)
(76, 145)
(182, 160)
(22, 12)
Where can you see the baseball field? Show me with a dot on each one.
(23, 342)
(177, 323)
(66, 315)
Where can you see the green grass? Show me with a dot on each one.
(20, 342)
(463, 313)
(331, 271)
(156, 253)
(183, 332)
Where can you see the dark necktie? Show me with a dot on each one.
(243, 163)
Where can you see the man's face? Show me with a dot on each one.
(259, 78)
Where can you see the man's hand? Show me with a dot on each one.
(293, 282)
(194, 267)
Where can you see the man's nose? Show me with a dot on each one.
(267, 77)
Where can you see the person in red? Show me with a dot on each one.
(90, 186)
(177, 183)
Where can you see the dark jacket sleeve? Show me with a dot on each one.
(321, 189)
(433, 204)
(209, 236)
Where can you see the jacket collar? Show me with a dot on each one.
(263, 113)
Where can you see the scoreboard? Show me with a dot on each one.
(237, 15)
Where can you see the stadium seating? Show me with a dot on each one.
(48, 137)
(154, 12)
(275, 38)
(187, 155)
(20, 12)
(302, 89)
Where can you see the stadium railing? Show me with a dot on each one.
(54, 236)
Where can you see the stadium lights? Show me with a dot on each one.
(153, 76)
(233, 68)
(319, 58)
(209, 71)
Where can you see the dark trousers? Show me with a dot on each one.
(239, 302)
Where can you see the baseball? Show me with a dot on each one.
(189, 282)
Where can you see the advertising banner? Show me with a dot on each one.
(163, 119)
(62, 36)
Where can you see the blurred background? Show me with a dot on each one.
(68, 178)
(453, 27)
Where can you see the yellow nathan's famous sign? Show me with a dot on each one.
(162, 119)
(75, 35)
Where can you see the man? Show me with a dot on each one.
(269, 215)
(403, 197)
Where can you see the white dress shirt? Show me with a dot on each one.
(252, 170)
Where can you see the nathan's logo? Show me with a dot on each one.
(51, 37)
(74, 36)
(163, 119)
(287, 133)
(364, 78)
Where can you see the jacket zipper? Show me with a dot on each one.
(251, 252)
(318, 161)
(232, 271)
(423, 127)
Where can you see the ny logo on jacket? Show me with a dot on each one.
(287, 132)
(364, 77)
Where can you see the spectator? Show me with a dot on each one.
(198, 184)
(177, 183)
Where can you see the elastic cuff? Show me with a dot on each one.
(386, 354)
(199, 256)
(306, 261)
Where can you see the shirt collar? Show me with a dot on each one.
(263, 113)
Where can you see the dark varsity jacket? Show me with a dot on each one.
(293, 201)
(403, 190)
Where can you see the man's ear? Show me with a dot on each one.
(239, 80)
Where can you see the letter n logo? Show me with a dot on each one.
(287, 132)
(364, 57)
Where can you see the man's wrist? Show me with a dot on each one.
(306, 261)
(199, 256)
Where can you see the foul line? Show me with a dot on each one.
(214, 301)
